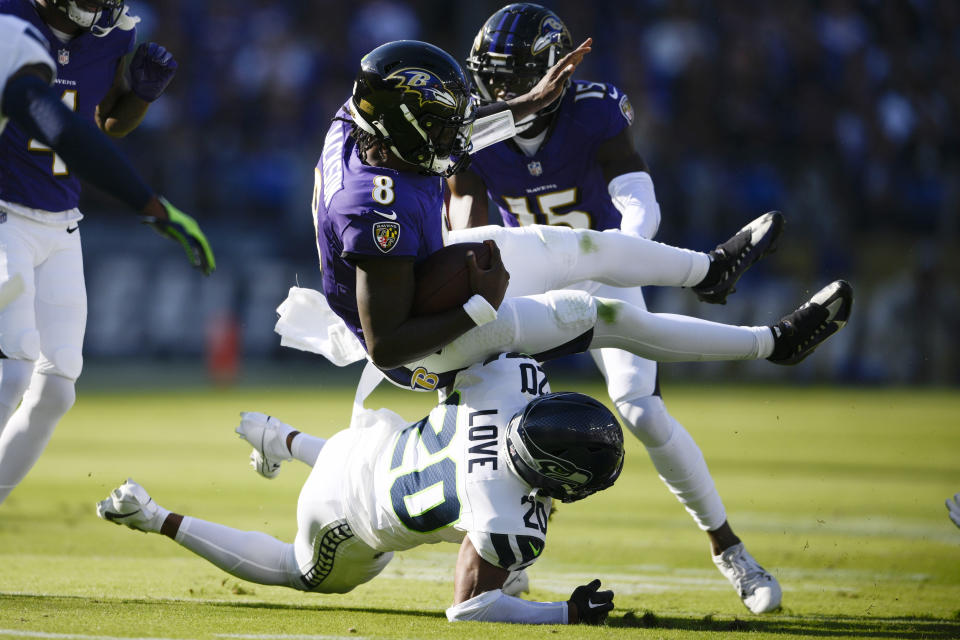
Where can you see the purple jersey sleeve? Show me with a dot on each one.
(561, 183)
(30, 173)
(368, 213)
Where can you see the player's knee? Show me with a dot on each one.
(58, 394)
(66, 362)
(23, 345)
(576, 310)
(647, 418)
(562, 243)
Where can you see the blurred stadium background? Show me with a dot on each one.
(841, 113)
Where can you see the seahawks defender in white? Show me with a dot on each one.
(481, 471)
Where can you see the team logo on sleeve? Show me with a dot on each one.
(626, 109)
(423, 84)
(386, 235)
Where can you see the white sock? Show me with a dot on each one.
(31, 426)
(306, 448)
(678, 460)
(248, 555)
(666, 337)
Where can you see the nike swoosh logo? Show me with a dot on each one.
(72, 229)
(594, 606)
(533, 548)
(389, 216)
(110, 515)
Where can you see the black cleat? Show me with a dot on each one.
(799, 333)
(732, 258)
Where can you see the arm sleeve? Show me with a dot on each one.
(496, 606)
(633, 196)
(37, 109)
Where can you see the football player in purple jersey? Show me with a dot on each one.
(51, 138)
(378, 205)
(574, 163)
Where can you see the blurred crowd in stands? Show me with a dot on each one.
(845, 114)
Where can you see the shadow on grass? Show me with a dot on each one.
(907, 628)
(813, 626)
(49, 600)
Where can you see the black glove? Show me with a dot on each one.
(592, 605)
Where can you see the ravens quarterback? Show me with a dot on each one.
(378, 204)
(482, 471)
(52, 138)
(574, 163)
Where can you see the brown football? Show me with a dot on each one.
(443, 281)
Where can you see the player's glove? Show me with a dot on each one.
(151, 70)
(592, 605)
(953, 508)
(185, 230)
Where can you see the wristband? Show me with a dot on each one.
(479, 310)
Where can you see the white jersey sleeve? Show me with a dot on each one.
(21, 45)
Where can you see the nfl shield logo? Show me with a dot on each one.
(63, 56)
(386, 235)
(535, 168)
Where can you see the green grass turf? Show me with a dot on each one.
(839, 492)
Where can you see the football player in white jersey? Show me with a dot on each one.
(40, 263)
(481, 471)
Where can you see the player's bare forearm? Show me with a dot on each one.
(125, 115)
(474, 575)
(384, 301)
(416, 338)
(468, 201)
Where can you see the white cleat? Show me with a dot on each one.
(759, 590)
(131, 505)
(517, 582)
(268, 437)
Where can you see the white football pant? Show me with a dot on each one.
(550, 259)
(41, 335)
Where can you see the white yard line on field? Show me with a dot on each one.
(22, 633)
(285, 636)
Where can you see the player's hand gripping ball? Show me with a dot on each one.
(443, 279)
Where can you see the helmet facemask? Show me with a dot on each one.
(96, 16)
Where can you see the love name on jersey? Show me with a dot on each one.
(484, 452)
(533, 381)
